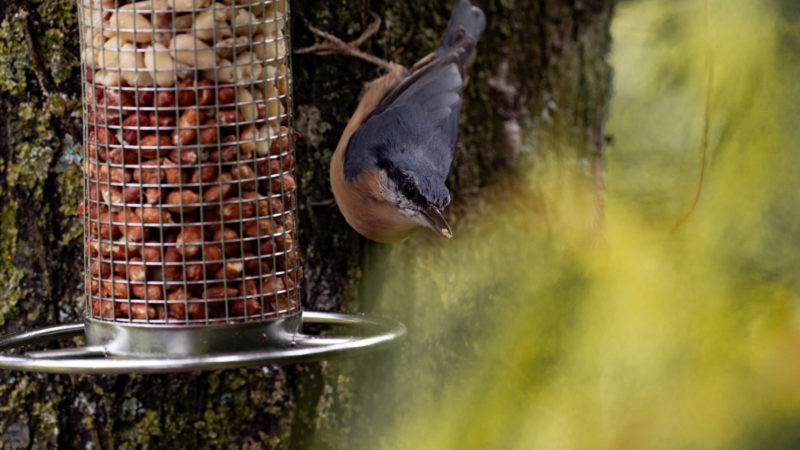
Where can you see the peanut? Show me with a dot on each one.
(287, 162)
(131, 126)
(187, 127)
(130, 224)
(258, 200)
(103, 228)
(245, 174)
(204, 174)
(122, 23)
(140, 311)
(152, 195)
(186, 156)
(208, 132)
(262, 227)
(208, 24)
(165, 98)
(216, 192)
(253, 306)
(288, 222)
(188, 5)
(132, 62)
(242, 22)
(107, 78)
(183, 22)
(150, 291)
(177, 301)
(171, 266)
(255, 265)
(263, 140)
(117, 97)
(104, 116)
(226, 154)
(122, 155)
(148, 172)
(229, 117)
(100, 269)
(107, 309)
(182, 201)
(92, 286)
(223, 72)
(228, 238)
(164, 120)
(221, 293)
(289, 260)
(188, 241)
(131, 193)
(212, 257)
(152, 145)
(274, 106)
(99, 143)
(236, 210)
(136, 269)
(144, 97)
(283, 184)
(174, 175)
(152, 253)
(193, 52)
(113, 174)
(151, 214)
(226, 95)
(185, 92)
(111, 195)
(115, 287)
(227, 48)
(232, 270)
(247, 109)
(269, 48)
(205, 92)
(247, 138)
(248, 69)
(158, 61)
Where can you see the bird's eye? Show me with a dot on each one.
(409, 191)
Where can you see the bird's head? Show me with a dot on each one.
(417, 196)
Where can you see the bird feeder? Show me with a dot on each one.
(191, 252)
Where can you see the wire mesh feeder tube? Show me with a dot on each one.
(188, 166)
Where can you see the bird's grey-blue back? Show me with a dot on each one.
(414, 129)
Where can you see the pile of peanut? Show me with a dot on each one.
(189, 193)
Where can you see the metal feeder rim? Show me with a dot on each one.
(379, 332)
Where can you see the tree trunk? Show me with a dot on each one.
(541, 74)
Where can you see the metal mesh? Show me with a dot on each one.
(188, 163)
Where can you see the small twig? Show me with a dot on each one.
(328, 202)
(38, 68)
(334, 45)
(704, 157)
(706, 120)
(372, 28)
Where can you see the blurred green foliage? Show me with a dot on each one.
(678, 324)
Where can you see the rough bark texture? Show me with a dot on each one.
(556, 79)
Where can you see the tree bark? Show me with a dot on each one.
(541, 78)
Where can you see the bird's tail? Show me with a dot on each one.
(465, 16)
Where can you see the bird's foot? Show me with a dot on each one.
(332, 45)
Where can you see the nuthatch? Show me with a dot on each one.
(389, 169)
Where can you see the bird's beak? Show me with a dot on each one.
(435, 220)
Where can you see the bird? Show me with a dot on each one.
(390, 165)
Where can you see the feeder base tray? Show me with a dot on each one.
(371, 333)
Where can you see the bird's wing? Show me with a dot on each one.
(417, 122)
